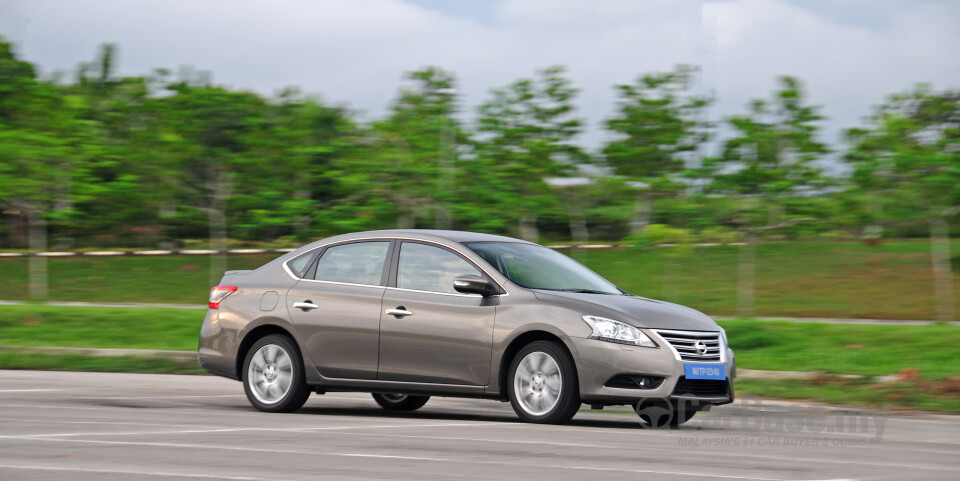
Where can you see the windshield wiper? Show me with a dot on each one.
(586, 291)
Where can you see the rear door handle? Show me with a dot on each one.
(305, 305)
(400, 312)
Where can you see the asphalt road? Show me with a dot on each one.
(92, 426)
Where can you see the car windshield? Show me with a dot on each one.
(537, 267)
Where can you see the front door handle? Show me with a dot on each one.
(400, 312)
(305, 305)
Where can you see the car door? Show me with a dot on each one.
(336, 308)
(429, 332)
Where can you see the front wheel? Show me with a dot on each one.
(400, 402)
(273, 377)
(542, 384)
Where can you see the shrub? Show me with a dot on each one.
(655, 234)
(719, 235)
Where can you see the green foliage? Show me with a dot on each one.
(657, 121)
(524, 134)
(655, 234)
(908, 157)
(719, 235)
(161, 158)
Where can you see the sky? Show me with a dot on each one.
(850, 54)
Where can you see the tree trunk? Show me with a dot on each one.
(406, 221)
(218, 242)
(406, 218)
(528, 228)
(746, 267)
(37, 265)
(942, 272)
(217, 217)
(641, 212)
(578, 229)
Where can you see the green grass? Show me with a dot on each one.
(942, 395)
(160, 279)
(74, 362)
(103, 327)
(795, 279)
(801, 279)
(868, 350)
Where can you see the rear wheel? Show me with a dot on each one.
(400, 402)
(542, 384)
(273, 377)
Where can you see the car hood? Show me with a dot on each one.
(634, 310)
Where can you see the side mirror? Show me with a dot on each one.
(471, 284)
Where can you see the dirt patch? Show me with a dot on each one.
(949, 386)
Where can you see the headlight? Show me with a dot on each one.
(615, 331)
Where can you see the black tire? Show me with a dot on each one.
(568, 400)
(297, 391)
(679, 419)
(400, 402)
(660, 413)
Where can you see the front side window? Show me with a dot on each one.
(428, 268)
(355, 263)
(537, 267)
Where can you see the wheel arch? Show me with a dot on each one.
(515, 345)
(253, 336)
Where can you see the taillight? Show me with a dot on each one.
(218, 294)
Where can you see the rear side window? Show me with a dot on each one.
(428, 268)
(300, 265)
(355, 263)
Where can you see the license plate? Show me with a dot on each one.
(705, 371)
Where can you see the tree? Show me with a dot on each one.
(769, 162)
(203, 134)
(658, 122)
(415, 148)
(288, 173)
(910, 152)
(43, 146)
(525, 134)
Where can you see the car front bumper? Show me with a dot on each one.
(599, 361)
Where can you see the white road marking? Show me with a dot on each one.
(137, 473)
(28, 390)
(102, 408)
(158, 397)
(233, 430)
(36, 421)
(649, 448)
(419, 458)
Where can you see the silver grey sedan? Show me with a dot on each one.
(409, 314)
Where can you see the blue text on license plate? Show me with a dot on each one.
(705, 371)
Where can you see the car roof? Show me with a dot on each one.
(432, 234)
(413, 234)
(453, 235)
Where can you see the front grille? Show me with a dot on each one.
(686, 342)
(700, 387)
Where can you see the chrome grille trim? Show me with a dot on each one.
(682, 344)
